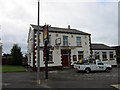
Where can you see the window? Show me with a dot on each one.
(104, 55)
(50, 56)
(100, 64)
(97, 55)
(29, 58)
(49, 40)
(111, 56)
(80, 55)
(78, 41)
(65, 40)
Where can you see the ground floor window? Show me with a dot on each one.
(111, 56)
(97, 55)
(51, 56)
(29, 57)
(104, 55)
(80, 55)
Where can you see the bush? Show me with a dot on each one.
(10, 60)
(118, 59)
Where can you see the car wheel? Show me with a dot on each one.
(87, 70)
(107, 70)
(77, 71)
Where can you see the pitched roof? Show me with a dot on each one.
(101, 47)
(61, 30)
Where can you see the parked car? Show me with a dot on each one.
(97, 65)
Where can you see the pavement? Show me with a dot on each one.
(66, 78)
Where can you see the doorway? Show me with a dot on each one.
(66, 57)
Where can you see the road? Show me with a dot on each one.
(66, 78)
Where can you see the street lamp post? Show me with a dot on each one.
(38, 50)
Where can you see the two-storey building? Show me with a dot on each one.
(66, 46)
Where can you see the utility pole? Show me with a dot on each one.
(38, 50)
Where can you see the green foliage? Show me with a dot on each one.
(9, 68)
(10, 60)
(16, 54)
(118, 59)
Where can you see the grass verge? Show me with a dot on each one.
(10, 68)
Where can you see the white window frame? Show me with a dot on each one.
(50, 54)
(49, 40)
(112, 55)
(104, 53)
(65, 40)
(80, 53)
(78, 41)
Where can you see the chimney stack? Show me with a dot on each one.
(68, 26)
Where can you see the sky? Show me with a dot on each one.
(97, 17)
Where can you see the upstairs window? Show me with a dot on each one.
(78, 41)
(49, 40)
(50, 56)
(65, 40)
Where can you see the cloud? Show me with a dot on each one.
(100, 19)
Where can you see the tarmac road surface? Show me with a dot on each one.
(66, 78)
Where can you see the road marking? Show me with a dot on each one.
(45, 86)
(116, 86)
(5, 84)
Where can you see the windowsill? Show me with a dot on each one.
(78, 46)
(71, 46)
(112, 59)
(105, 60)
(49, 62)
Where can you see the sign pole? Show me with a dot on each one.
(46, 49)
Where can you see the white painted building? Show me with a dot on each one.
(104, 53)
(66, 46)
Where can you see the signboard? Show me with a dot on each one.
(58, 41)
(45, 32)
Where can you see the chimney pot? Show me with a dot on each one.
(68, 26)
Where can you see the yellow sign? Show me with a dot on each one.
(45, 32)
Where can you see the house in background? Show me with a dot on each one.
(66, 46)
(117, 48)
(105, 53)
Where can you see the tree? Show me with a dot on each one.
(16, 55)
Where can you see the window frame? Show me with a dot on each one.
(80, 53)
(98, 55)
(50, 55)
(104, 56)
(112, 55)
(78, 41)
(49, 40)
(65, 40)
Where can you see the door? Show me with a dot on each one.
(93, 67)
(100, 66)
(65, 57)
